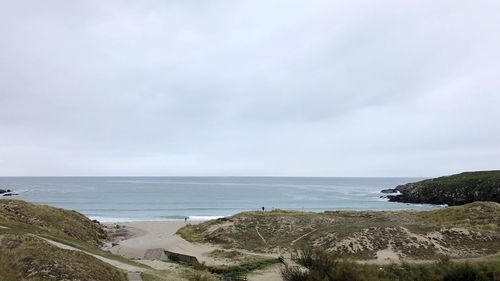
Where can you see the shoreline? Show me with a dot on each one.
(420, 207)
(133, 239)
(111, 220)
(150, 235)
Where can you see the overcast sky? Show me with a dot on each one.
(285, 88)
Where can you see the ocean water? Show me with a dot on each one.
(199, 198)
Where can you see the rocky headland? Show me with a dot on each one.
(451, 190)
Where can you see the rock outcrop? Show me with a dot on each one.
(451, 190)
(7, 192)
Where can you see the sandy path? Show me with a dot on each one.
(295, 241)
(260, 235)
(159, 234)
(134, 276)
(117, 264)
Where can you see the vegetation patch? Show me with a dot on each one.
(25, 257)
(470, 230)
(319, 265)
(243, 268)
(51, 220)
(456, 189)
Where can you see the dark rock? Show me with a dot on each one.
(394, 198)
(9, 194)
(389, 190)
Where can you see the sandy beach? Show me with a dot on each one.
(136, 238)
(144, 235)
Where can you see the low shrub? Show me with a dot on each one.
(319, 265)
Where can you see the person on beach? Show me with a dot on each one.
(185, 219)
(263, 209)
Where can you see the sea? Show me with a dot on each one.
(120, 199)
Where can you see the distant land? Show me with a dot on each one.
(451, 190)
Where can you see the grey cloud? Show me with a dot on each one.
(342, 88)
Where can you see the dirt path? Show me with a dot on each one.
(258, 233)
(134, 276)
(158, 264)
(310, 232)
(133, 272)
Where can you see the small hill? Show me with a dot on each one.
(452, 190)
(463, 231)
(25, 257)
(476, 215)
(51, 220)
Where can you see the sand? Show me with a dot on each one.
(136, 238)
(145, 235)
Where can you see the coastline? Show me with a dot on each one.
(121, 220)
(118, 199)
(141, 236)
(402, 206)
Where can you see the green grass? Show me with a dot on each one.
(161, 275)
(26, 257)
(22, 228)
(52, 220)
(23, 219)
(243, 268)
(484, 215)
(325, 266)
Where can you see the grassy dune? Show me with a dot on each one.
(470, 231)
(45, 219)
(26, 257)
(464, 231)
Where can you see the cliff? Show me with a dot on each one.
(452, 190)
